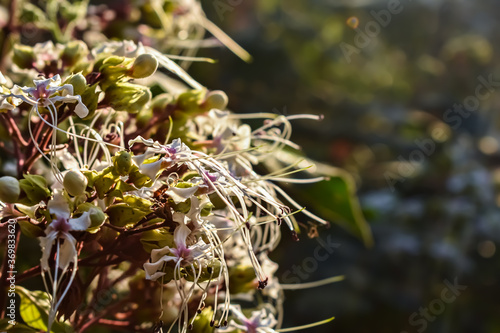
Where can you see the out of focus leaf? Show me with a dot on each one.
(335, 200)
(34, 310)
(17, 328)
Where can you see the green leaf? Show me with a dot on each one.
(17, 328)
(335, 200)
(35, 189)
(137, 178)
(34, 309)
(30, 230)
(104, 182)
(130, 210)
(157, 239)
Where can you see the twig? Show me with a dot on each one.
(14, 130)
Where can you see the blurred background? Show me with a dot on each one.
(410, 97)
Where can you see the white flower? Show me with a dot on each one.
(181, 253)
(47, 92)
(60, 229)
(261, 321)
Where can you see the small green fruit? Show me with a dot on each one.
(78, 82)
(75, 182)
(122, 162)
(9, 189)
(144, 65)
(216, 99)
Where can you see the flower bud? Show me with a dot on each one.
(201, 323)
(216, 99)
(122, 162)
(9, 189)
(74, 52)
(144, 65)
(190, 100)
(241, 278)
(113, 69)
(75, 182)
(78, 82)
(24, 57)
(127, 97)
(97, 216)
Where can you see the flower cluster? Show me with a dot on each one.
(148, 186)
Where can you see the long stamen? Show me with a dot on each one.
(303, 327)
(314, 284)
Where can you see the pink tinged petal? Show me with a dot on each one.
(180, 235)
(179, 217)
(19, 97)
(181, 194)
(154, 276)
(81, 110)
(67, 252)
(66, 89)
(59, 206)
(80, 223)
(147, 143)
(156, 254)
(152, 268)
(46, 245)
(236, 311)
(139, 159)
(151, 169)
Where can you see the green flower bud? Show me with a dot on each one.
(241, 278)
(97, 216)
(74, 52)
(75, 182)
(78, 82)
(127, 97)
(190, 100)
(114, 69)
(9, 189)
(201, 323)
(24, 57)
(122, 162)
(144, 65)
(216, 99)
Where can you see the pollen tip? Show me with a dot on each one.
(263, 284)
(321, 117)
(295, 237)
(190, 327)
(212, 323)
(225, 323)
(198, 311)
